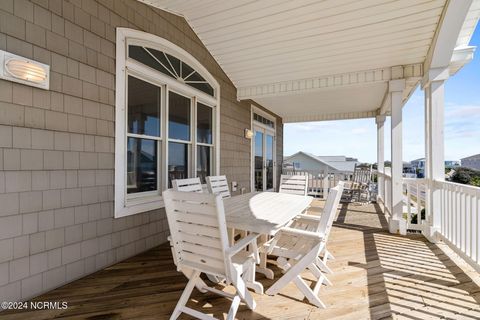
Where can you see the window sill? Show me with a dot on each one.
(139, 205)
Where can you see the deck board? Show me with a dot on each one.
(376, 276)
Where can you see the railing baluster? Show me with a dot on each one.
(443, 213)
(468, 226)
(477, 224)
(409, 215)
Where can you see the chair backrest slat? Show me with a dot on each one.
(362, 174)
(187, 185)
(218, 185)
(297, 184)
(198, 230)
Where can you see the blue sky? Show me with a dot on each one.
(357, 138)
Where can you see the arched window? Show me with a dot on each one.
(167, 118)
(170, 66)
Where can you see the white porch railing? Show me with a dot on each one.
(320, 182)
(459, 218)
(414, 192)
(384, 198)
(459, 212)
(459, 208)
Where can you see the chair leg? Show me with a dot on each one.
(294, 271)
(322, 265)
(321, 278)
(233, 308)
(199, 284)
(185, 295)
(307, 292)
(329, 255)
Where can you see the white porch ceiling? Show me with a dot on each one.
(335, 104)
(264, 46)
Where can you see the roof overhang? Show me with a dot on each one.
(312, 60)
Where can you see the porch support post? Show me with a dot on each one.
(397, 223)
(380, 120)
(434, 147)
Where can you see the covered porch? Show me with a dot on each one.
(308, 66)
(377, 275)
(294, 62)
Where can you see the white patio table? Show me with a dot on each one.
(264, 213)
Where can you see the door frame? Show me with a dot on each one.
(267, 130)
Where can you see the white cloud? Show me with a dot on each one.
(357, 138)
(359, 130)
(462, 112)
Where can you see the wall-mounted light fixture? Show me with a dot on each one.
(23, 70)
(248, 134)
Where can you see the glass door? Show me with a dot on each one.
(264, 159)
(269, 162)
(258, 160)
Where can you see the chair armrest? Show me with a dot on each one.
(241, 244)
(300, 233)
(307, 217)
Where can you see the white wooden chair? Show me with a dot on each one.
(299, 249)
(358, 190)
(187, 185)
(218, 185)
(310, 222)
(200, 245)
(296, 184)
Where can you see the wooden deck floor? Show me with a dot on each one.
(376, 276)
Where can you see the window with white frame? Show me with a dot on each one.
(167, 112)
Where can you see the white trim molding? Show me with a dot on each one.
(330, 116)
(330, 82)
(445, 40)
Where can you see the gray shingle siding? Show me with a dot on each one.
(57, 146)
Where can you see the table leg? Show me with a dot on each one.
(249, 278)
(263, 261)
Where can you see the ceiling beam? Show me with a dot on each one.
(453, 17)
(329, 116)
(302, 86)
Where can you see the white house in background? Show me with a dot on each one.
(309, 162)
(472, 162)
(420, 164)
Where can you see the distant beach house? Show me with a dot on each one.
(472, 162)
(419, 164)
(309, 162)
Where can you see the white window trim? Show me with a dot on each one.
(125, 206)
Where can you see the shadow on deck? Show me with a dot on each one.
(376, 276)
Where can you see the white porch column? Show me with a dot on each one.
(434, 146)
(397, 223)
(380, 120)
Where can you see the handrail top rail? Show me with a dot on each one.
(420, 180)
(465, 188)
(385, 174)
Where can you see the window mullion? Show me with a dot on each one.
(194, 135)
(142, 136)
(165, 134)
